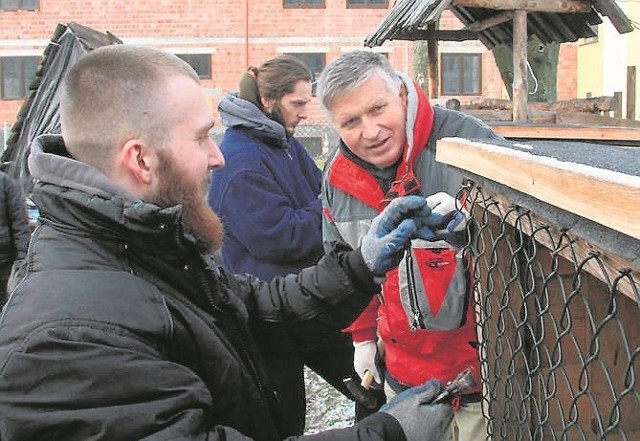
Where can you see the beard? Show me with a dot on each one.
(177, 188)
(276, 115)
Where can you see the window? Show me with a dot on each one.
(367, 3)
(15, 5)
(461, 74)
(315, 63)
(302, 4)
(17, 74)
(201, 63)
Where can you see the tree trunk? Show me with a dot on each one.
(421, 65)
(543, 59)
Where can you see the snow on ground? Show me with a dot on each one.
(326, 407)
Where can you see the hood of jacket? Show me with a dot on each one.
(78, 195)
(238, 113)
(364, 181)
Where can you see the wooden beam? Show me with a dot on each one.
(593, 105)
(616, 15)
(442, 35)
(595, 120)
(554, 131)
(487, 23)
(520, 85)
(506, 115)
(433, 61)
(604, 197)
(565, 6)
(580, 249)
(631, 92)
(617, 112)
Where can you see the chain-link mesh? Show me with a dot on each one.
(559, 329)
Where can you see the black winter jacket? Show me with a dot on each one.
(14, 222)
(120, 330)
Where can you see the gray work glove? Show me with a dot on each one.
(421, 421)
(392, 230)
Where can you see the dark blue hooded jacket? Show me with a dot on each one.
(266, 194)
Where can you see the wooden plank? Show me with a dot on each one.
(528, 5)
(616, 15)
(442, 35)
(606, 197)
(578, 250)
(592, 119)
(536, 117)
(554, 131)
(592, 105)
(433, 61)
(631, 92)
(617, 112)
(490, 22)
(520, 85)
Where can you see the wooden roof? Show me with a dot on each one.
(490, 21)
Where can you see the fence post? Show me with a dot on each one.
(631, 92)
(617, 110)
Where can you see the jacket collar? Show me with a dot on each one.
(78, 195)
(49, 161)
(238, 113)
(419, 125)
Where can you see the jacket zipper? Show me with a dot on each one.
(242, 349)
(413, 299)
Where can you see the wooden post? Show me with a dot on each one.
(520, 86)
(617, 111)
(631, 92)
(432, 55)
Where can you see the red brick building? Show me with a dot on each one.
(221, 37)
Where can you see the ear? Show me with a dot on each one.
(267, 103)
(403, 93)
(139, 162)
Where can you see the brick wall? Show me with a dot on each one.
(234, 37)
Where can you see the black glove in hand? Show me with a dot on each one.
(391, 232)
(421, 421)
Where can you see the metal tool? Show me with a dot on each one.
(457, 386)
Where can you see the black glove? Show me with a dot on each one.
(421, 421)
(392, 230)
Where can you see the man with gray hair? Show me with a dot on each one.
(423, 325)
(122, 326)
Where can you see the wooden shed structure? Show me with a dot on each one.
(497, 22)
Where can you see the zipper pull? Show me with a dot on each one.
(417, 321)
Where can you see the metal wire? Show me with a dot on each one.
(559, 340)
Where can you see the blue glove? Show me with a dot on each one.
(419, 420)
(391, 233)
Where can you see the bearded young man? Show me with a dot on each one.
(122, 326)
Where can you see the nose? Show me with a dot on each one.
(302, 113)
(216, 158)
(370, 128)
